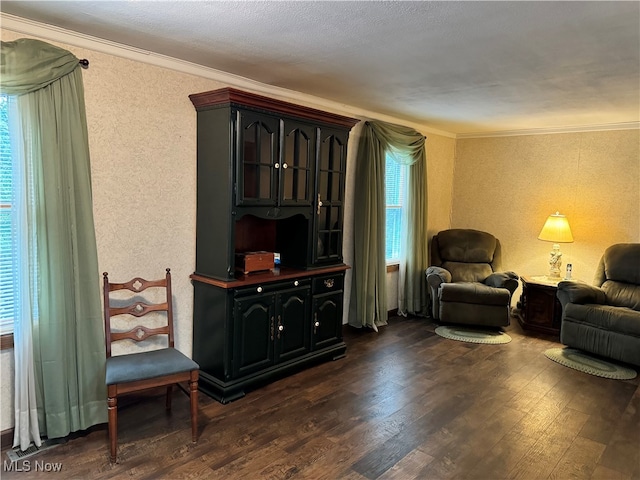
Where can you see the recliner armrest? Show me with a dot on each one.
(508, 280)
(577, 292)
(436, 276)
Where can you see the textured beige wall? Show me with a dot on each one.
(440, 176)
(509, 185)
(349, 211)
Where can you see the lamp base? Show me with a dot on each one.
(555, 262)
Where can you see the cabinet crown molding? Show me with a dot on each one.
(231, 96)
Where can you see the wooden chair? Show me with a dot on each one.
(140, 371)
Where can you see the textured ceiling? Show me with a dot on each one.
(462, 67)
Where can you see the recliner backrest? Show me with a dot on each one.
(469, 255)
(618, 274)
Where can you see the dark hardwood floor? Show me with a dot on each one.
(403, 404)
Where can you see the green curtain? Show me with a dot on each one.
(67, 333)
(368, 299)
(368, 307)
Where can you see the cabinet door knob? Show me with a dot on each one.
(284, 165)
(280, 327)
(328, 283)
(277, 165)
(317, 324)
(296, 283)
(259, 289)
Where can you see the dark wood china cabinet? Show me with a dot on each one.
(270, 179)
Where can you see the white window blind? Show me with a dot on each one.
(395, 188)
(8, 247)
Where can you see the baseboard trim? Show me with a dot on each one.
(6, 438)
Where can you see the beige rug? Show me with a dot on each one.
(583, 362)
(473, 335)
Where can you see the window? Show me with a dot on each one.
(7, 246)
(395, 188)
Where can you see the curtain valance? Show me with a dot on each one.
(404, 144)
(29, 65)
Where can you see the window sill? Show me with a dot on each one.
(393, 267)
(6, 341)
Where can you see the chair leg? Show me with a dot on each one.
(193, 396)
(169, 394)
(112, 408)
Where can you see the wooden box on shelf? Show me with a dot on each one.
(249, 262)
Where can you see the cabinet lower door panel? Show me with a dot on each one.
(292, 325)
(327, 319)
(254, 334)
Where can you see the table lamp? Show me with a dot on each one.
(556, 229)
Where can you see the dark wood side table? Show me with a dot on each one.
(540, 309)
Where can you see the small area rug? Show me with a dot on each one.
(473, 335)
(583, 362)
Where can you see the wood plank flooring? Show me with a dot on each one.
(403, 404)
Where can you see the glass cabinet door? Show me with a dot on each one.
(330, 195)
(299, 142)
(257, 158)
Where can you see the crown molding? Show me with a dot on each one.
(550, 131)
(57, 34)
(69, 37)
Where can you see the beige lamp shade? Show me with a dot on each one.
(556, 229)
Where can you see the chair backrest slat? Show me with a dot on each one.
(137, 308)
(137, 284)
(139, 333)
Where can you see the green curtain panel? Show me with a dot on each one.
(368, 306)
(67, 333)
(413, 294)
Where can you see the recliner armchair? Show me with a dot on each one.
(604, 318)
(465, 280)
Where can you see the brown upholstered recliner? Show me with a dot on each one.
(465, 281)
(605, 318)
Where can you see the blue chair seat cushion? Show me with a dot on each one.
(144, 365)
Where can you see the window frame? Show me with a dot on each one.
(6, 337)
(394, 262)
